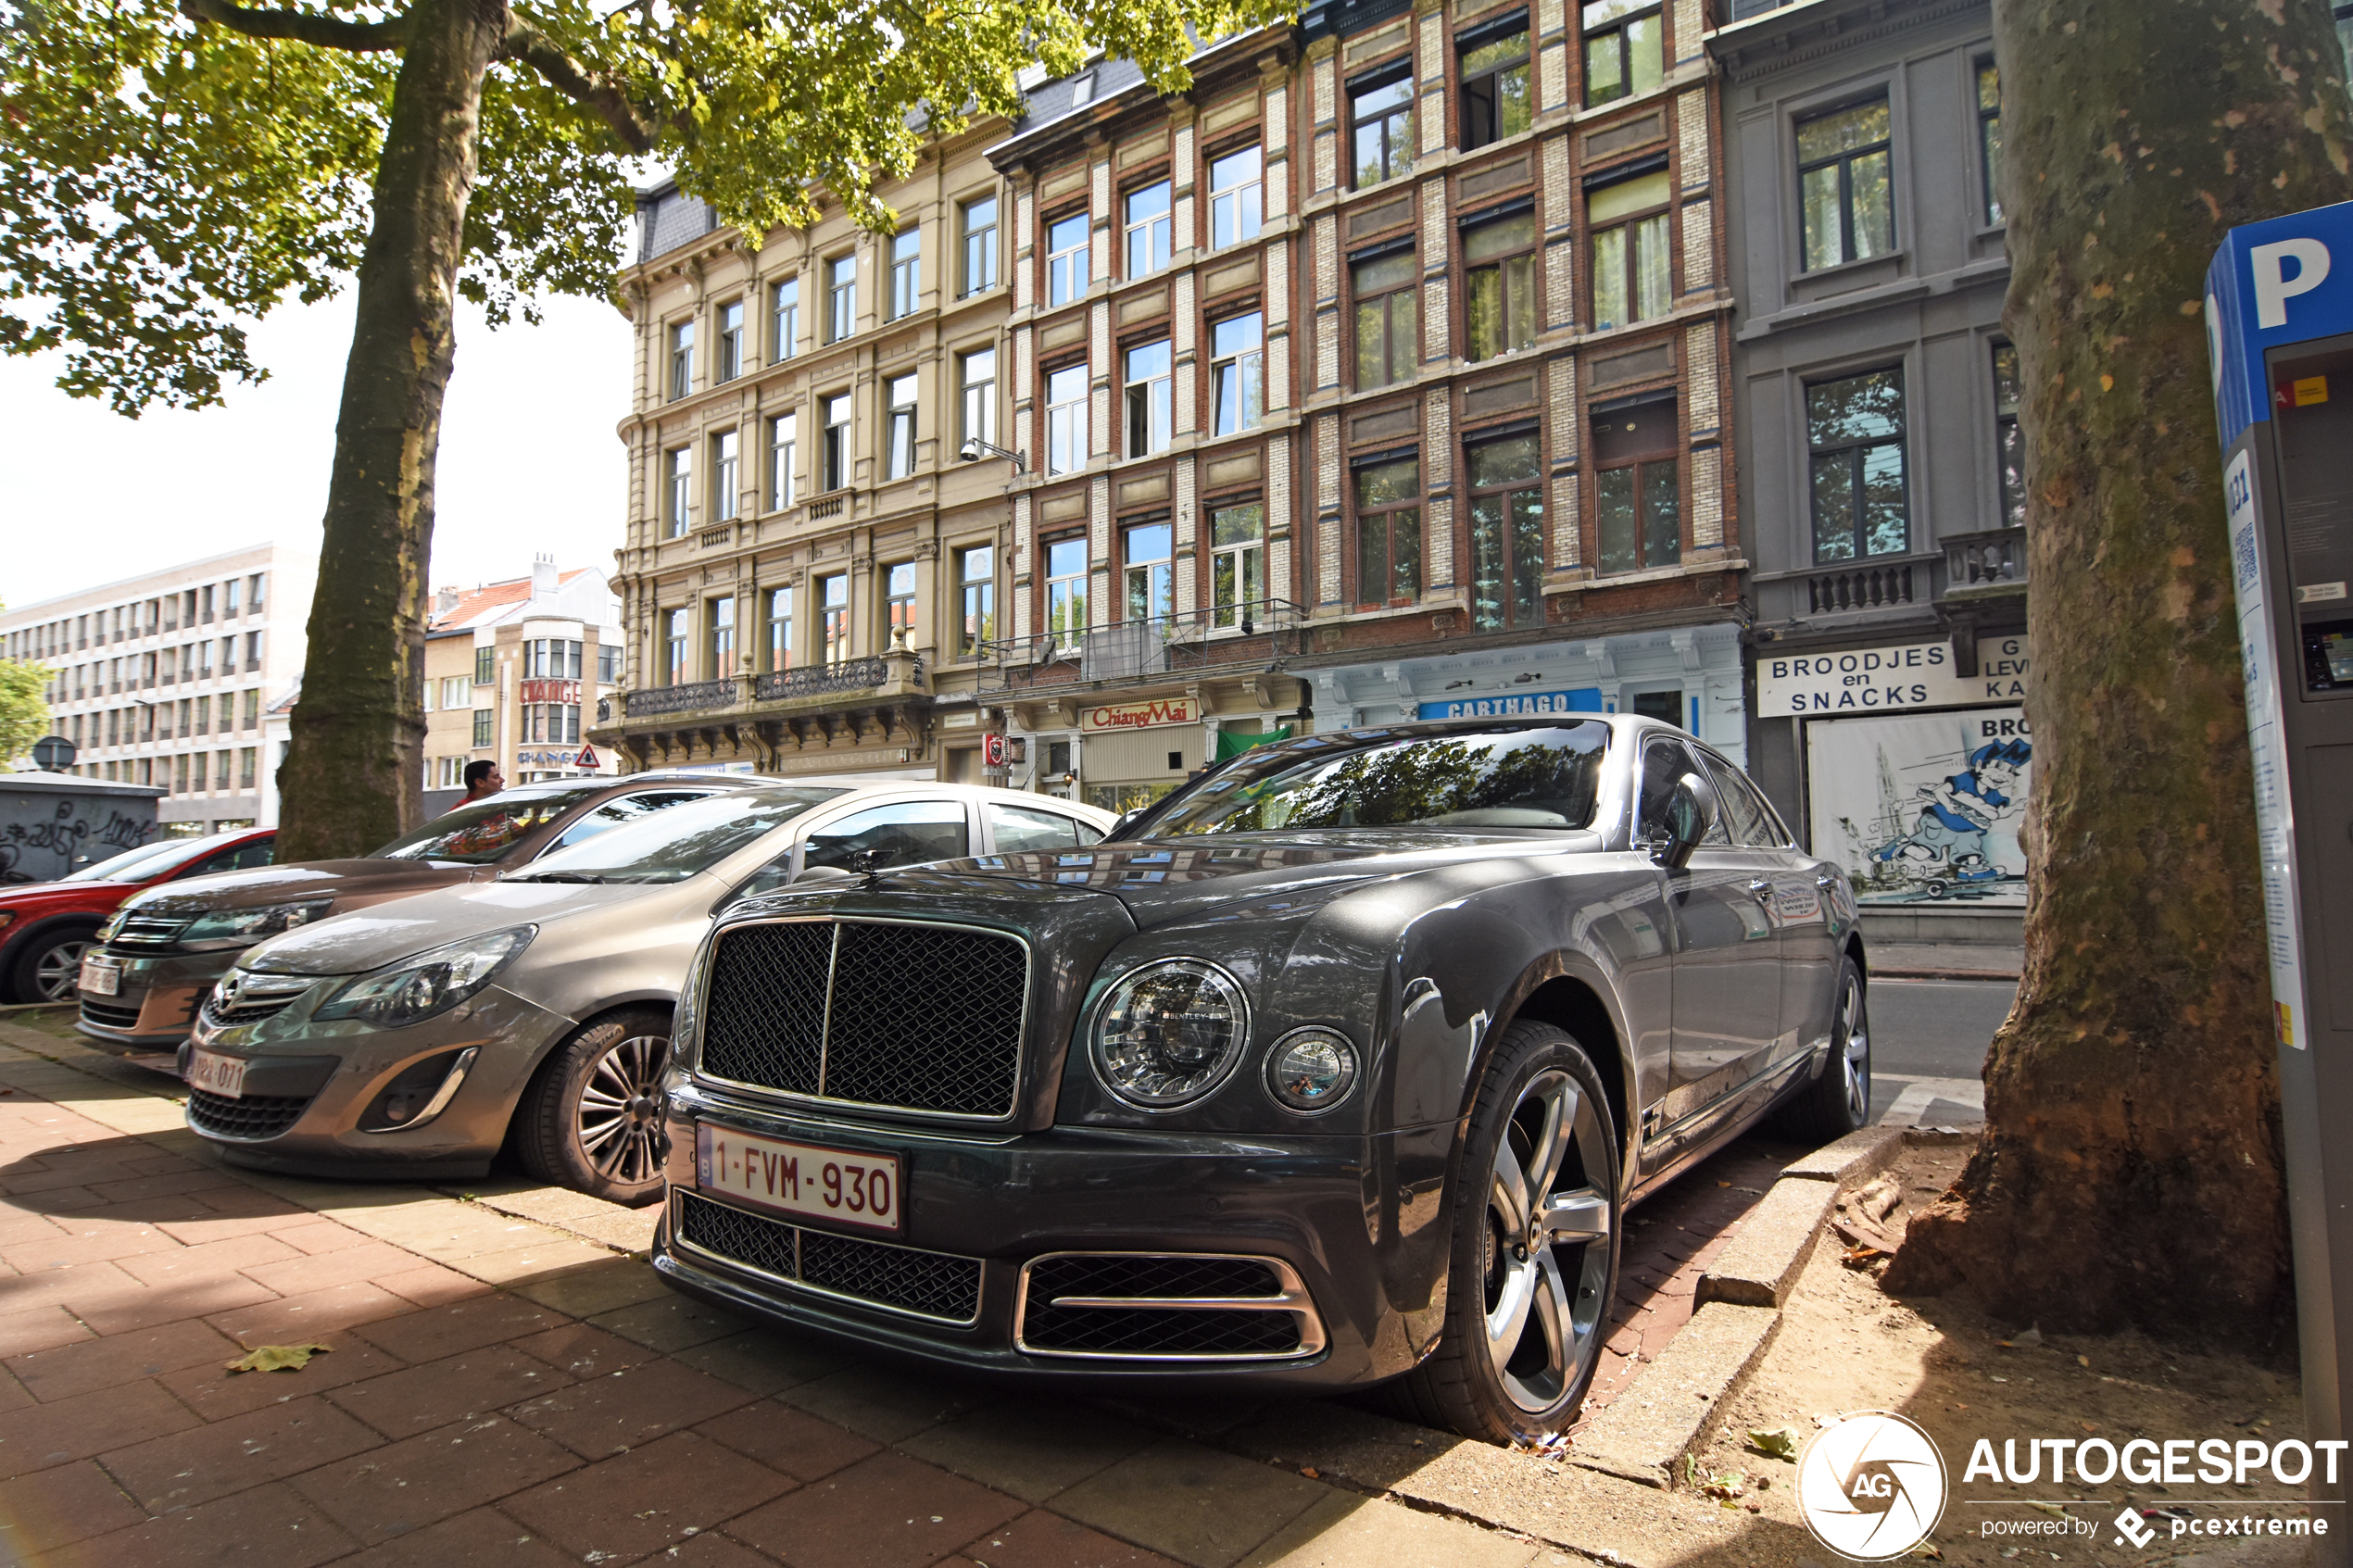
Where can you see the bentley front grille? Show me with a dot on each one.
(904, 1015)
(930, 1285)
(1164, 1307)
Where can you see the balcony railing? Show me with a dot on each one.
(1164, 645)
(692, 696)
(1992, 562)
(1869, 587)
(820, 680)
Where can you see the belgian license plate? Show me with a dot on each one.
(799, 1179)
(101, 977)
(217, 1074)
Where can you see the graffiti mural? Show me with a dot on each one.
(43, 836)
(1924, 808)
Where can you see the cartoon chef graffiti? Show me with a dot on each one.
(1960, 811)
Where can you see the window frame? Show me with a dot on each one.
(1844, 161)
(1242, 366)
(979, 244)
(975, 598)
(1644, 466)
(784, 316)
(1067, 270)
(776, 650)
(2010, 437)
(906, 260)
(1518, 283)
(1066, 421)
(1360, 466)
(1635, 229)
(841, 296)
(1618, 24)
(1148, 402)
(1237, 567)
(835, 454)
(899, 589)
(1856, 450)
(1516, 572)
(976, 397)
(681, 375)
(1489, 107)
(727, 470)
(1989, 143)
(1154, 231)
(1249, 216)
(1390, 298)
(678, 480)
(902, 397)
(832, 595)
(783, 451)
(677, 632)
(727, 339)
(1147, 585)
(1076, 601)
(1378, 79)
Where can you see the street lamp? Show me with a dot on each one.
(973, 447)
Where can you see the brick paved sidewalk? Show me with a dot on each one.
(498, 1391)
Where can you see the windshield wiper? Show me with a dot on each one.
(556, 876)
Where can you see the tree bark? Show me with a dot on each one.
(352, 778)
(2129, 1171)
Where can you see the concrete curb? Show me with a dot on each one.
(1776, 1238)
(1680, 1398)
(1862, 1153)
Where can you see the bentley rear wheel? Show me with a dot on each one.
(1838, 1099)
(1534, 1264)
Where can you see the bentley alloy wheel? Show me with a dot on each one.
(1838, 1098)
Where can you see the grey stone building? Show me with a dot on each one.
(1878, 459)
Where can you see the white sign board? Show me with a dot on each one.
(1883, 679)
(2274, 822)
(1924, 809)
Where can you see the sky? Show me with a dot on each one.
(530, 463)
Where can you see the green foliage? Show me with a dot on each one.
(162, 178)
(24, 712)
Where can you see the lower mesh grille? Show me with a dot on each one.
(106, 1015)
(1080, 1305)
(255, 1116)
(935, 1284)
(244, 1013)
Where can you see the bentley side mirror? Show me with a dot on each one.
(822, 874)
(1690, 813)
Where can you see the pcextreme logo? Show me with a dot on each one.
(1871, 1485)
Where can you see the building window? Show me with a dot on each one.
(725, 496)
(550, 723)
(977, 376)
(899, 602)
(841, 297)
(682, 359)
(2010, 442)
(675, 646)
(906, 272)
(1237, 198)
(679, 470)
(980, 244)
(483, 717)
(1627, 222)
(550, 659)
(1237, 373)
(731, 342)
(1507, 533)
(832, 618)
(456, 692)
(1625, 49)
(836, 454)
(1855, 433)
(608, 664)
(1989, 135)
(1386, 318)
(720, 648)
(486, 666)
(1381, 111)
(784, 318)
(1494, 72)
(1146, 549)
(1845, 203)
(783, 450)
(1499, 299)
(1388, 532)
(1151, 398)
(977, 590)
(1236, 562)
(261, 580)
(900, 453)
(1067, 584)
(780, 628)
(1066, 258)
(1638, 486)
(1149, 231)
(253, 707)
(1066, 419)
(247, 758)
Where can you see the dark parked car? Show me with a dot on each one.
(159, 956)
(45, 927)
(1340, 1066)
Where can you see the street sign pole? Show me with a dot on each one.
(2278, 312)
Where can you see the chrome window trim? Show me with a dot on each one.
(768, 1092)
(1293, 1298)
(679, 1242)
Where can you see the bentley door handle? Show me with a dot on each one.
(1762, 887)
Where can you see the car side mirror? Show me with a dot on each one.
(1124, 820)
(822, 874)
(1688, 818)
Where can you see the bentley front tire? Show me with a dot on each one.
(592, 1117)
(1534, 1264)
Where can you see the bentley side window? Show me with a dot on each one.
(1744, 814)
(1664, 761)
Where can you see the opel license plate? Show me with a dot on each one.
(802, 1180)
(217, 1074)
(101, 976)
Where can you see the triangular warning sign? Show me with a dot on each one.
(587, 758)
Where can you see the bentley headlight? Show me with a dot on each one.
(1169, 1033)
(415, 989)
(1311, 1070)
(252, 925)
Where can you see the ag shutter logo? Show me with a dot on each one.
(1871, 1485)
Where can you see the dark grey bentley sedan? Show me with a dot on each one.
(1338, 1067)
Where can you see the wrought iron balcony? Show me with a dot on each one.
(692, 697)
(822, 680)
(1164, 645)
(1992, 562)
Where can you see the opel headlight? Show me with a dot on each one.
(1169, 1033)
(251, 925)
(1311, 1070)
(416, 988)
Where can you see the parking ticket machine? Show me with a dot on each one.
(2279, 313)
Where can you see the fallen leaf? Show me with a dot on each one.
(1782, 1442)
(277, 1358)
(1309, 1471)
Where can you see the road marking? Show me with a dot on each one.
(1918, 1093)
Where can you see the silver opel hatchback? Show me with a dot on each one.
(415, 1039)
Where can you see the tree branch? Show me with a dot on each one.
(304, 27)
(527, 45)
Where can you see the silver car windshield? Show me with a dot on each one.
(675, 844)
(1541, 778)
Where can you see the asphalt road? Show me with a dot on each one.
(1927, 1048)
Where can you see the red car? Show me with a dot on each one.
(45, 926)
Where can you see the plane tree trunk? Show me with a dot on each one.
(353, 776)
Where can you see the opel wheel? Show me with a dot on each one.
(592, 1117)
